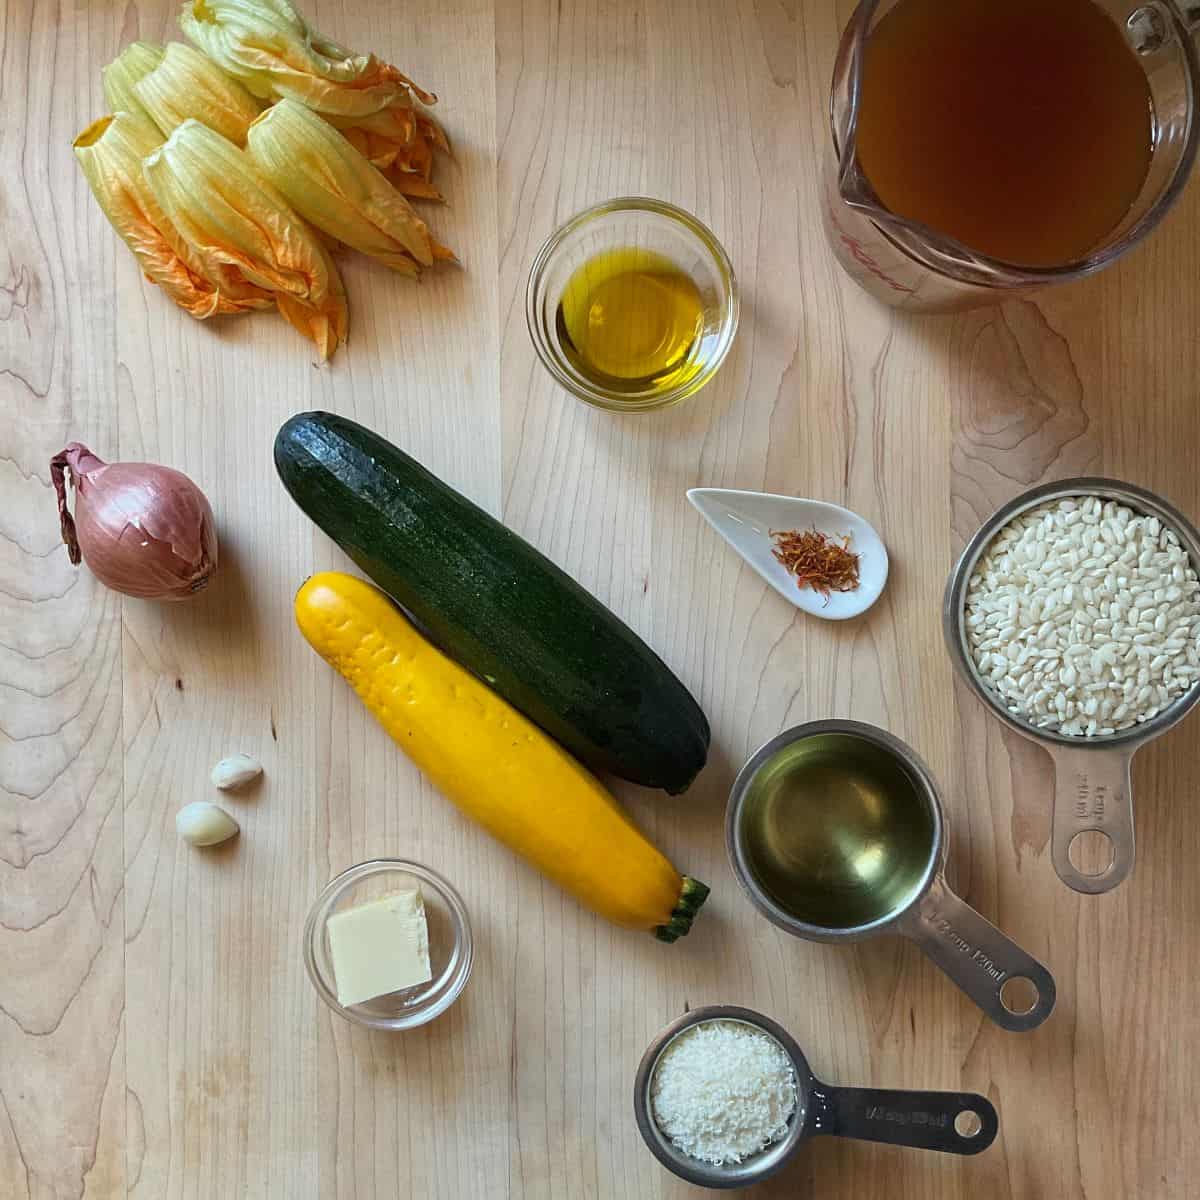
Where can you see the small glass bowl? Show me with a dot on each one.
(451, 950)
(653, 225)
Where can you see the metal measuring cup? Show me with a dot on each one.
(1092, 788)
(980, 959)
(952, 1122)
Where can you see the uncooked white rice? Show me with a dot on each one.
(1085, 616)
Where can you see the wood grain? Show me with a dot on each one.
(158, 1038)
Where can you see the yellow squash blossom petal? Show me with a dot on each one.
(413, 185)
(335, 188)
(186, 83)
(401, 140)
(273, 51)
(110, 152)
(121, 75)
(271, 48)
(327, 324)
(236, 221)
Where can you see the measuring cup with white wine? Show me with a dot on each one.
(983, 150)
(835, 831)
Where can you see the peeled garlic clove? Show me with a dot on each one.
(204, 824)
(235, 771)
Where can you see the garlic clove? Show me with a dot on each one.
(235, 771)
(204, 824)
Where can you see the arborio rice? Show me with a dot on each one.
(1085, 617)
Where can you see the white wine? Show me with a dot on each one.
(836, 831)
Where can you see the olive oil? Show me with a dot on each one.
(630, 320)
(1021, 128)
(836, 831)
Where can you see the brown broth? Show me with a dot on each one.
(1021, 128)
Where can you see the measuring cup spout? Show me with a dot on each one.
(952, 1122)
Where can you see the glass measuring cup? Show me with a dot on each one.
(888, 880)
(908, 265)
(1092, 790)
(950, 1122)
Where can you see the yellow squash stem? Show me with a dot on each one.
(498, 767)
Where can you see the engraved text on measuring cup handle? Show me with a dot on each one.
(952, 1122)
(1092, 796)
(985, 964)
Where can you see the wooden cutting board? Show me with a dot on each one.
(158, 1036)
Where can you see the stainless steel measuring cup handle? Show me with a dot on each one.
(952, 1122)
(978, 957)
(1092, 790)
(1092, 794)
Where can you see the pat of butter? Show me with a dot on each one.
(380, 947)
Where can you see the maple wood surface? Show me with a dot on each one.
(158, 1035)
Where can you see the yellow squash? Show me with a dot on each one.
(500, 769)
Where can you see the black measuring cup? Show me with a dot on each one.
(950, 1122)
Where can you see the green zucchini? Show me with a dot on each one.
(497, 605)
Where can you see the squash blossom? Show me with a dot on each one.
(186, 84)
(110, 152)
(121, 75)
(400, 141)
(271, 49)
(334, 187)
(237, 223)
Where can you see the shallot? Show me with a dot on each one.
(142, 529)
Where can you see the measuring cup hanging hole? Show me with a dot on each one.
(1019, 995)
(968, 1124)
(1148, 29)
(1091, 852)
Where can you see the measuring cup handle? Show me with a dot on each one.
(1092, 793)
(952, 1122)
(978, 957)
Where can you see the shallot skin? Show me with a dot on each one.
(143, 530)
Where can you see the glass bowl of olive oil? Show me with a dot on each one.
(632, 305)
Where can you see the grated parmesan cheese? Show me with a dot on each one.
(723, 1091)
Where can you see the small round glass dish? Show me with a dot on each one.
(653, 237)
(451, 950)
